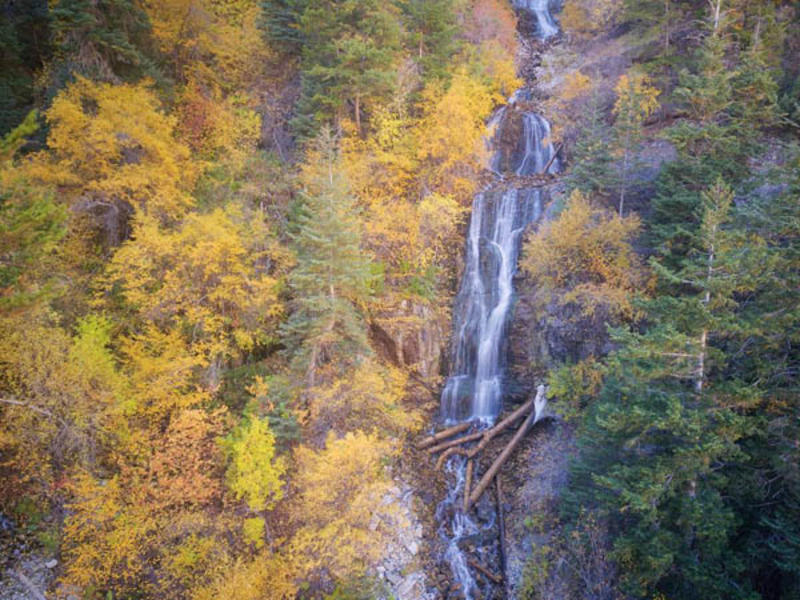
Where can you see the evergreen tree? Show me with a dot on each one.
(726, 108)
(349, 53)
(280, 21)
(331, 281)
(102, 40)
(431, 28)
(670, 418)
(591, 172)
(24, 47)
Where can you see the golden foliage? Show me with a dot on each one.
(113, 143)
(215, 42)
(187, 463)
(107, 528)
(636, 98)
(162, 370)
(255, 472)
(341, 504)
(491, 20)
(575, 85)
(585, 257)
(267, 576)
(585, 18)
(368, 397)
(216, 128)
(450, 136)
(66, 389)
(202, 278)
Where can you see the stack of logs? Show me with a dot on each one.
(442, 442)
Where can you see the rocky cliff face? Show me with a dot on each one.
(410, 335)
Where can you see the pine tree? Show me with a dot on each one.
(349, 53)
(726, 107)
(431, 30)
(102, 40)
(280, 22)
(671, 417)
(331, 280)
(591, 172)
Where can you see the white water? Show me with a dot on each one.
(474, 389)
(541, 10)
(538, 149)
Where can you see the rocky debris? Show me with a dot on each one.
(532, 485)
(401, 568)
(36, 572)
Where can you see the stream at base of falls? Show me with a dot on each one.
(478, 378)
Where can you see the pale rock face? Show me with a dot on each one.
(400, 569)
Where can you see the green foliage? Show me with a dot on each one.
(678, 413)
(102, 40)
(350, 51)
(31, 227)
(430, 32)
(331, 281)
(23, 48)
(591, 171)
(280, 22)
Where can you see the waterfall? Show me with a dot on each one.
(540, 9)
(538, 149)
(474, 390)
(485, 298)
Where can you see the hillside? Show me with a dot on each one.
(253, 253)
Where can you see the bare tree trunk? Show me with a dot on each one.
(443, 435)
(468, 483)
(716, 6)
(501, 518)
(358, 113)
(701, 357)
(504, 455)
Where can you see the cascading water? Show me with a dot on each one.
(474, 389)
(540, 9)
(538, 149)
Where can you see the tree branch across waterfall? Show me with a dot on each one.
(532, 410)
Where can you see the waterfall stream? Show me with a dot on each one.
(474, 389)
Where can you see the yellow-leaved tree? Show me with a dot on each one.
(340, 510)
(584, 258)
(636, 100)
(113, 144)
(370, 396)
(450, 136)
(203, 278)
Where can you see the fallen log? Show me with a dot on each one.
(485, 436)
(479, 567)
(501, 519)
(468, 482)
(490, 434)
(500, 460)
(456, 442)
(450, 452)
(444, 434)
(552, 158)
